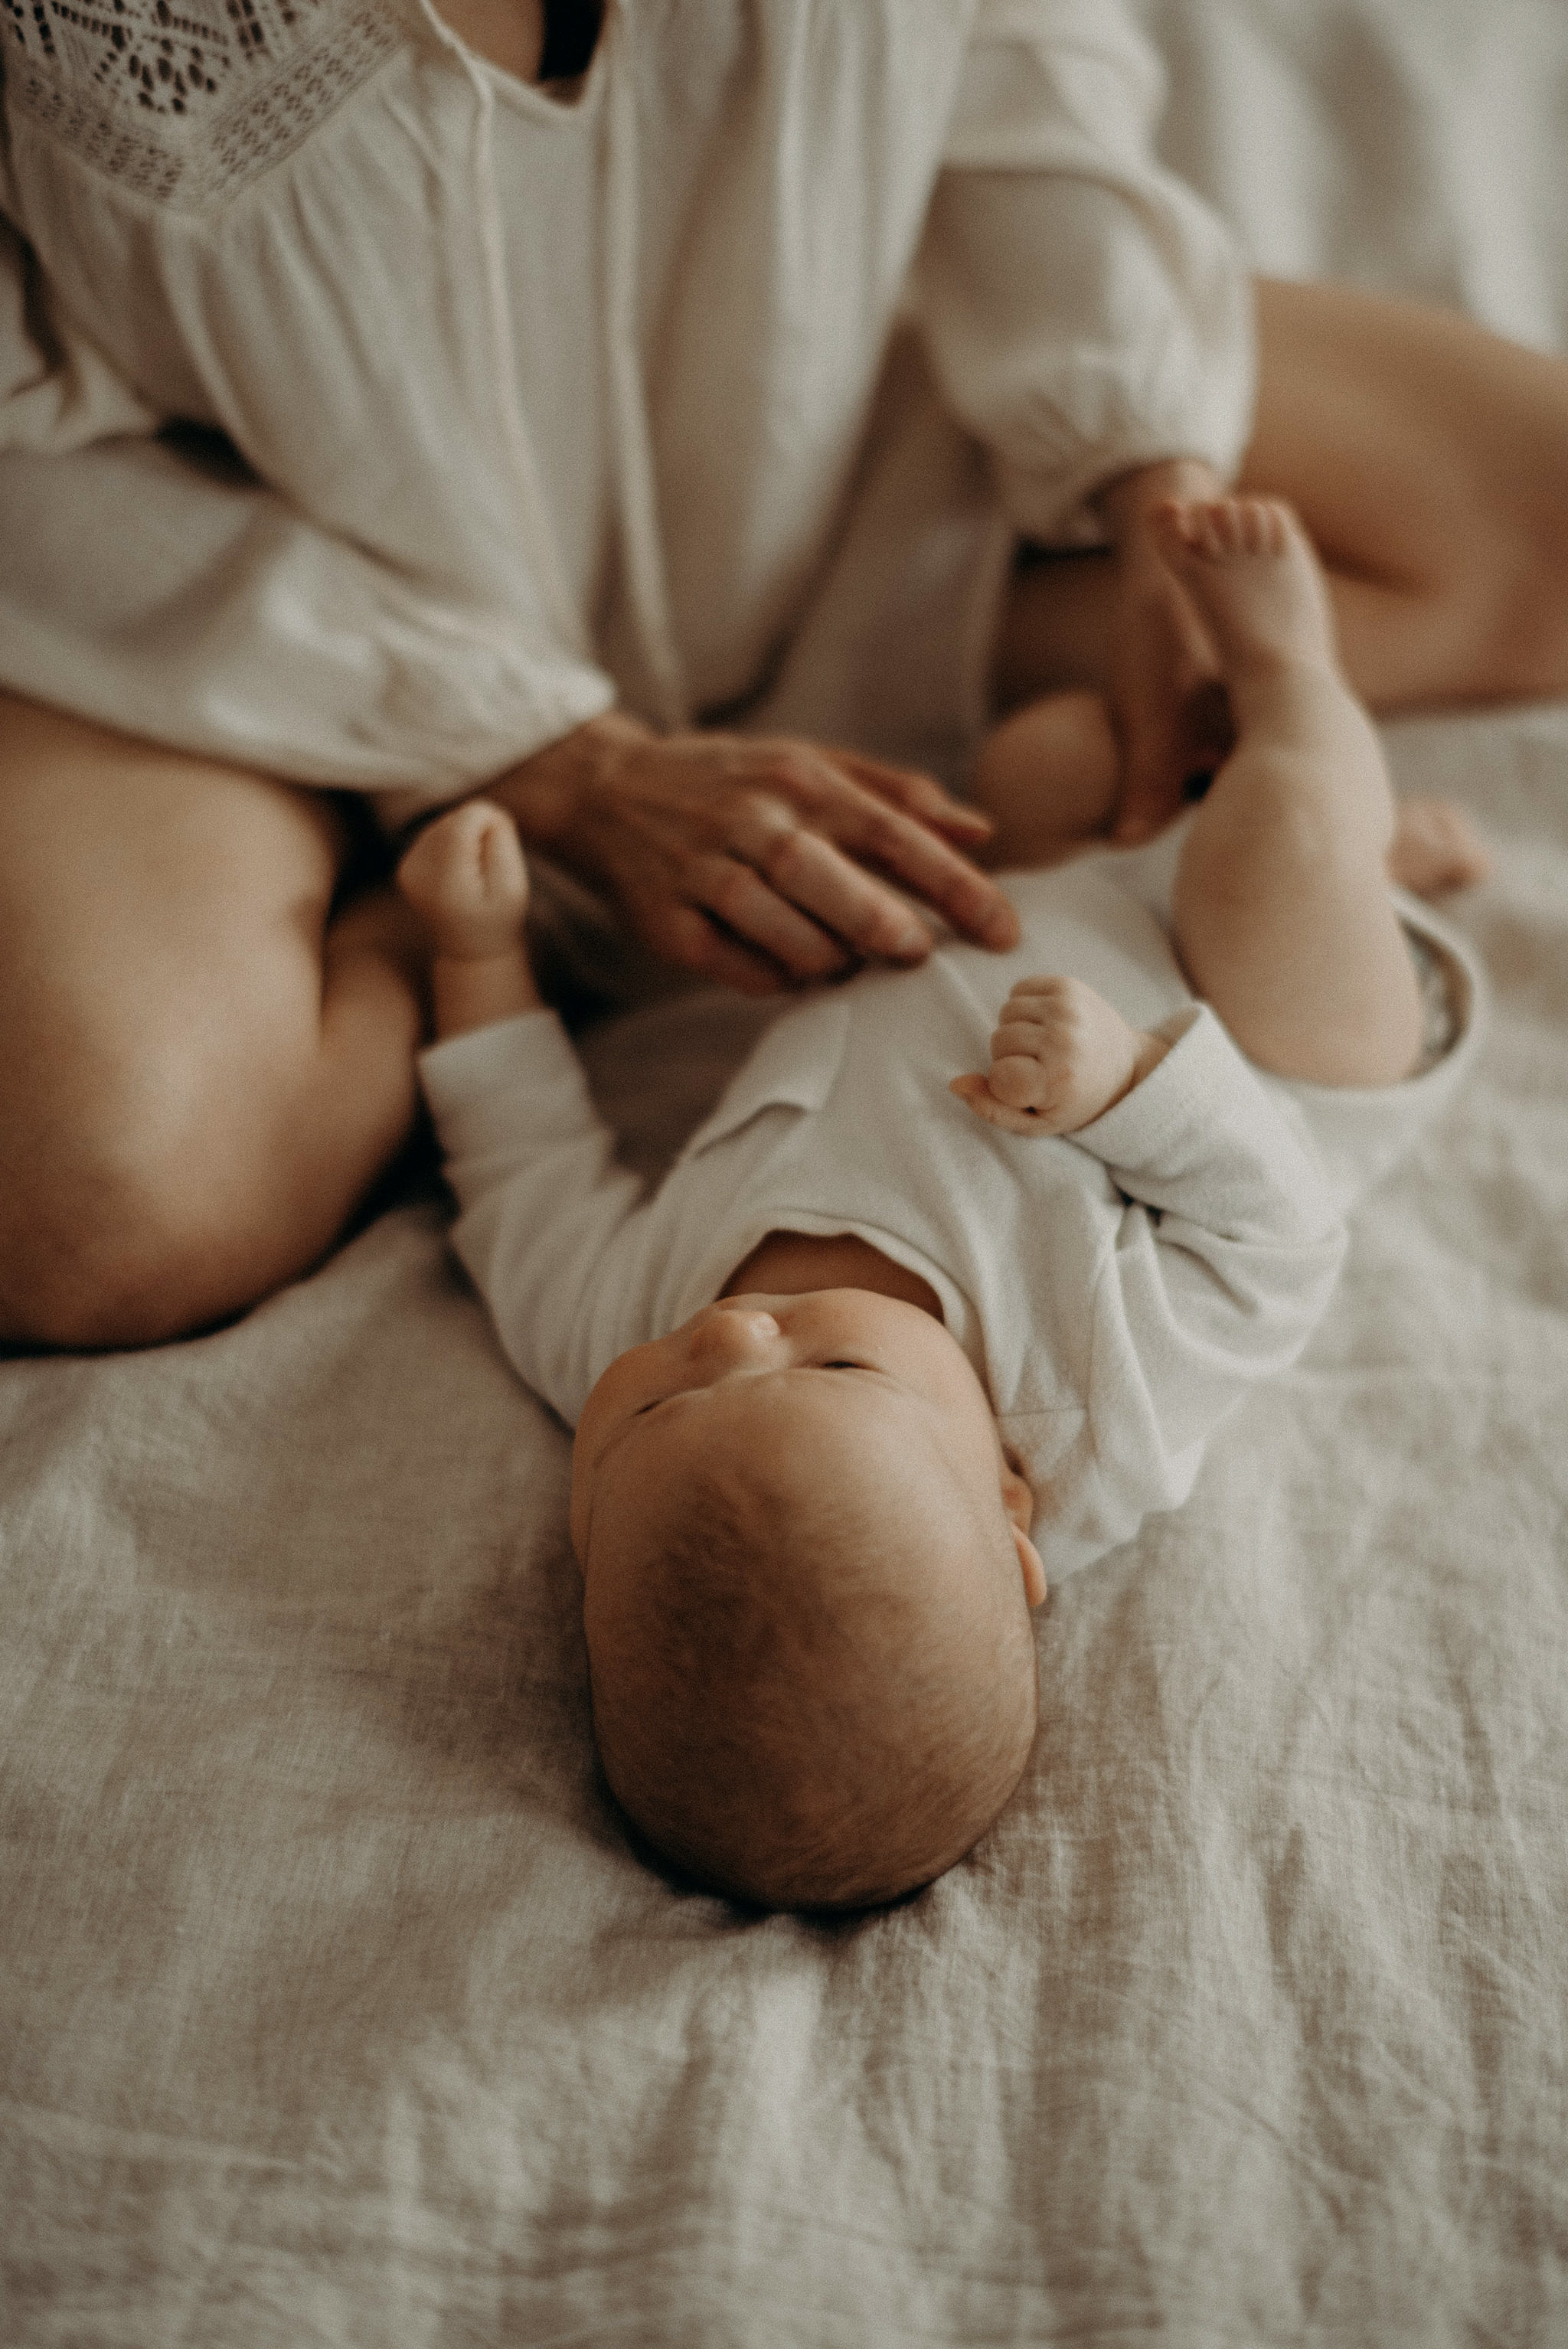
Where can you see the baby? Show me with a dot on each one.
(891, 1339)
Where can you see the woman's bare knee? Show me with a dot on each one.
(184, 1124)
(107, 1260)
(1046, 775)
(182, 1211)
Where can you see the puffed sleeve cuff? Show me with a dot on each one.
(216, 618)
(1086, 312)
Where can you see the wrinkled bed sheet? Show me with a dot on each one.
(334, 2009)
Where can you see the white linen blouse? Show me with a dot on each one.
(313, 226)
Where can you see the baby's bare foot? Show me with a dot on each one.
(466, 877)
(1435, 848)
(1254, 577)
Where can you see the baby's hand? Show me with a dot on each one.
(465, 878)
(1060, 1057)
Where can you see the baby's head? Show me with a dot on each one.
(808, 1578)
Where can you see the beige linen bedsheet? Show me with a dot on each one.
(334, 2009)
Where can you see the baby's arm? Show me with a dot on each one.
(465, 878)
(1061, 1056)
(550, 1228)
(1158, 1294)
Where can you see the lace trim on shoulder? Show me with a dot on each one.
(186, 103)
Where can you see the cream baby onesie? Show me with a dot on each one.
(1117, 1290)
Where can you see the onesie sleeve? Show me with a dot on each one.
(1213, 1274)
(552, 1231)
(1086, 313)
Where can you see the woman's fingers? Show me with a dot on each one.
(741, 901)
(833, 808)
(804, 871)
(794, 857)
(684, 935)
(933, 872)
(918, 795)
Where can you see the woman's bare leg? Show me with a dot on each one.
(1428, 460)
(199, 1082)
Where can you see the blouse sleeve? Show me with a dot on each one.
(57, 390)
(212, 615)
(1084, 311)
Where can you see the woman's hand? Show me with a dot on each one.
(1167, 702)
(757, 862)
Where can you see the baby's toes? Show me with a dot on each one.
(1214, 533)
(1217, 528)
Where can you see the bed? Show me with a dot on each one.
(335, 2009)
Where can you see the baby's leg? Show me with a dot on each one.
(1282, 910)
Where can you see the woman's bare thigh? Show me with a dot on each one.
(162, 952)
(1429, 460)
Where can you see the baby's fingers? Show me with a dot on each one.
(1026, 1039)
(1028, 994)
(1020, 1079)
(466, 876)
(977, 1094)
